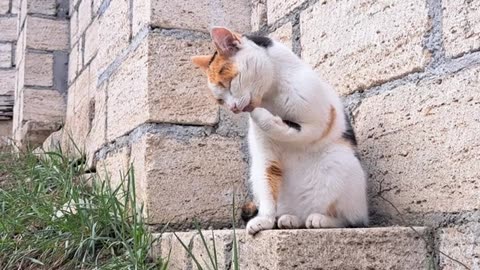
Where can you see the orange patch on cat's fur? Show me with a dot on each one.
(332, 117)
(274, 177)
(221, 70)
(332, 210)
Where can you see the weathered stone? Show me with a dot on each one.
(74, 62)
(38, 69)
(177, 92)
(114, 32)
(356, 45)
(15, 6)
(186, 177)
(284, 34)
(201, 14)
(232, 125)
(96, 138)
(32, 134)
(84, 15)
(20, 49)
(259, 14)
(170, 247)
(9, 28)
(114, 167)
(461, 26)
(53, 142)
(4, 6)
(375, 248)
(91, 42)
(47, 7)
(419, 144)
(141, 13)
(41, 30)
(5, 55)
(5, 133)
(75, 33)
(461, 243)
(43, 106)
(276, 9)
(221, 241)
(7, 81)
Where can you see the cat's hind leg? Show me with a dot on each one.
(317, 221)
(289, 222)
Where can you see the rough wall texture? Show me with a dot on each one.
(408, 71)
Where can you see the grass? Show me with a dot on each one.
(52, 220)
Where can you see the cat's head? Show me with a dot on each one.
(239, 72)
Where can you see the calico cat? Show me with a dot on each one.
(304, 169)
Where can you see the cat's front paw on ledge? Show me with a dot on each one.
(260, 223)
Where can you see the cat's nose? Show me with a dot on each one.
(234, 108)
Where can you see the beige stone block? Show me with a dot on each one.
(19, 78)
(33, 133)
(185, 177)
(96, 5)
(284, 35)
(277, 9)
(201, 14)
(259, 14)
(43, 106)
(9, 28)
(74, 62)
(461, 26)
(221, 241)
(38, 69)
(4, 6)
(96, 137)
(53, 142)
(177, 91)
(5, 55)
(23, 14)
(375, 248)
(83, 88)
(6, 134)
(461, 243)
(41, 30)
(81, 129)
(91, 42)
(73, 5)
(114, 32)
(84, 15)
(75, 33)
(420, 143)
(15, 6)
(128, 100)
(47, 7)
(170, 247)
(114, 168)
(20, 49)
(7, 81)
(355, 45)
(141, 14)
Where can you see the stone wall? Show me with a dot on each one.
(408, 72)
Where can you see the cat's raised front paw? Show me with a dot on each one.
(288, 222)
(259, 223)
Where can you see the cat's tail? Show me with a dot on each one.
(249, 211)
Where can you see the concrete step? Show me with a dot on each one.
(365, 248)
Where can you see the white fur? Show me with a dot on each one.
(316, 172)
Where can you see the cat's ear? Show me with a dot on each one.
(202, 61)
(225, 40)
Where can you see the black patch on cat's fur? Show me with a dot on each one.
(358, 224)
(213, 58)
(349, 134)
(249, 211)
(293, 125)
(261, 41)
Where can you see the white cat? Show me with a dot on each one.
(304, 169)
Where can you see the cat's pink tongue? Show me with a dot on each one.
(248, 108)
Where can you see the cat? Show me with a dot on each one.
(304, 169)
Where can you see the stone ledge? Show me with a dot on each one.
(364, 248)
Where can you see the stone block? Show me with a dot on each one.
(9, 28)
(38, 69)
(355, 45)
(53, 142)
(96, 137)
(461, 243)
(169, 247)
(46, 7)
(276, 9)
(375, 248)
(5, 55)
(20, 48)
(185, 176)
(91, 42)
(5, 132)
(4, 6)
(114, 32)
(221, 241)
(74, 62)
(75, 33)
(461, 26)
(7, 81)
(15, 6)
(43, 106)
(41, 30)
(84, 15)
(419, 144)
(114, 168)
(141, 13)
(201, 14)
(283, 34)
